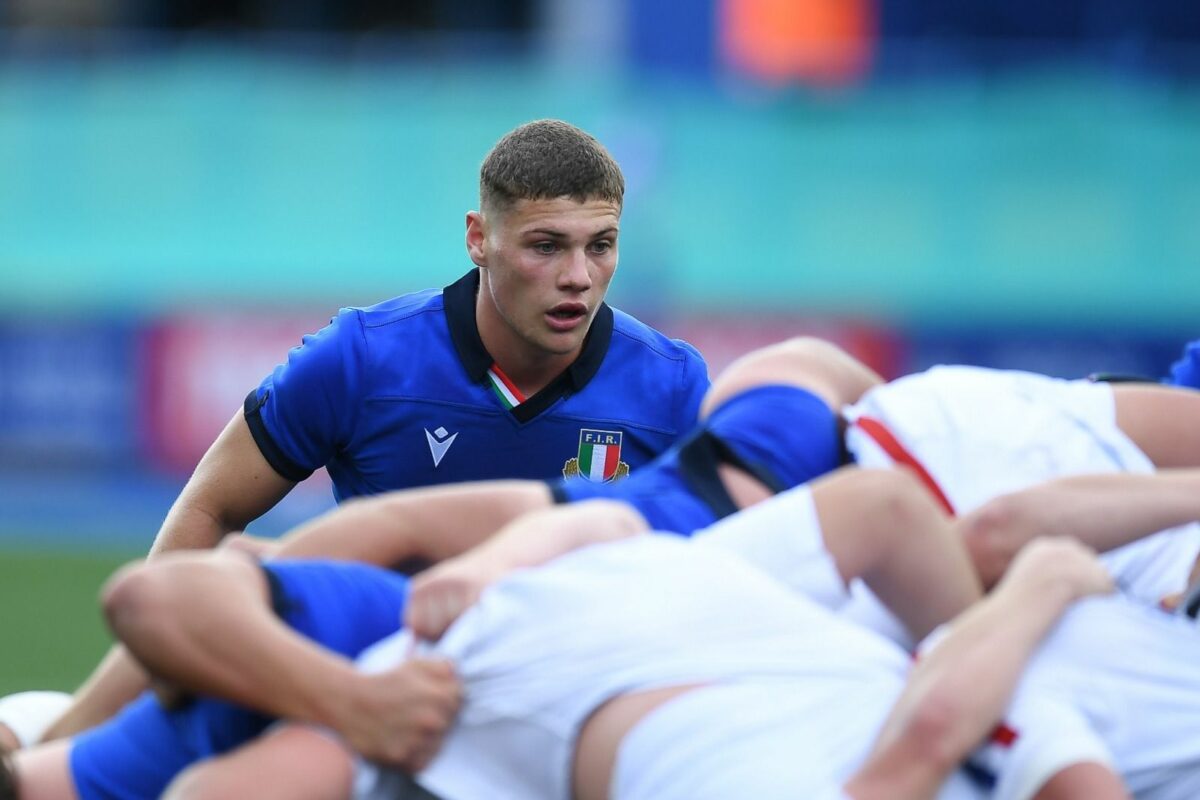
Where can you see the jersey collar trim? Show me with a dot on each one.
(459, 301)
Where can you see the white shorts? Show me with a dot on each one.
(787, 739)
(982, 433)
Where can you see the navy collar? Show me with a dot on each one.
(459, 301)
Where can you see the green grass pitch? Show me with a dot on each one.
(51, 630)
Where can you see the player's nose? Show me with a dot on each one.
(575, 274)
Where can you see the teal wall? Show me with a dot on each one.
(206, 176)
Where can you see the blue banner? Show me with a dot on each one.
(68, 392)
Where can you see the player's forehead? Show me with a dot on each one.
(564, 215)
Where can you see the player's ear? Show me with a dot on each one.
(476, 234)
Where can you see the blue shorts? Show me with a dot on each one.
(782, 435)
(344, 606)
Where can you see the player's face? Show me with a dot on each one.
(546, 268)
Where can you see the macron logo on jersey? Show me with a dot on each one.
(439, 442)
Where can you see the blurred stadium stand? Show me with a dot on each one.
(187, 187)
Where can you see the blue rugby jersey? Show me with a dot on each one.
(403, 394)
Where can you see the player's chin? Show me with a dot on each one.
(561, 343)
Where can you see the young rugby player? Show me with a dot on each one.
(519, 369)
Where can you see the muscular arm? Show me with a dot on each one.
(956, 694)
(189, 619)
(439, 595)
(204, 622)
(1102, 511)
(232, 485)
(430, 524)
(537, 538)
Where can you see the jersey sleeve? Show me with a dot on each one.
(306, 409)
(694, 386)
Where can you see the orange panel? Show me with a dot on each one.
(825, 42)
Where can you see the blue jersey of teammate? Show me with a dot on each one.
(403, 394)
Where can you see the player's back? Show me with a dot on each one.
(980, 433)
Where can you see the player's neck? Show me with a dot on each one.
(530, 368)
(532, 375)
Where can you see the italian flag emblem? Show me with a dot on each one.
(599, 457)
(505, 390)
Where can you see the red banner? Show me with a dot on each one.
(199, 370)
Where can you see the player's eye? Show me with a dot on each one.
(544, 248)
(602, 246)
